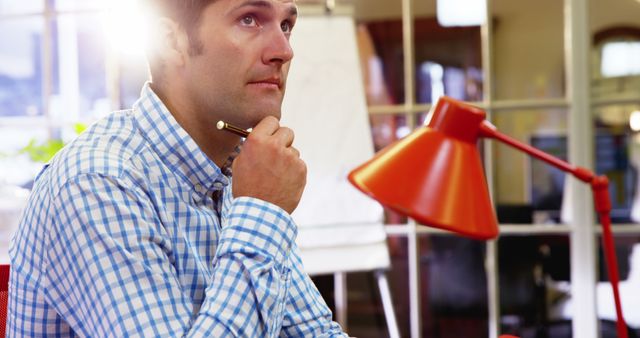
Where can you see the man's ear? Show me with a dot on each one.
(173, 44)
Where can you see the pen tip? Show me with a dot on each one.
(220, 125)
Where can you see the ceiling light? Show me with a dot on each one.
(461, 12)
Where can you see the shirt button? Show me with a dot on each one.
(199, 188)
(217, 185)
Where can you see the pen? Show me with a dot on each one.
(221, 125)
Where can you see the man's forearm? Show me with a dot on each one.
(251, 274)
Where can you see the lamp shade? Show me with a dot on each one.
(435, 175)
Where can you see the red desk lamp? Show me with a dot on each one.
(435, 176)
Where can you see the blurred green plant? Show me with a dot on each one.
(43, 152)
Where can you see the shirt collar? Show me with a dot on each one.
(174, 146)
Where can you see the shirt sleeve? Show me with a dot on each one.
(109, 270)
(307, 314)
(251, 272)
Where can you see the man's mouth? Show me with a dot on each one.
(272, 82)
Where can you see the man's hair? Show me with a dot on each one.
(187, 14)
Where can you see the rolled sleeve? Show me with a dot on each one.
(259, 226)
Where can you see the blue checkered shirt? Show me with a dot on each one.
(132, 231)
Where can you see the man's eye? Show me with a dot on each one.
(248, 20)
(286, 26)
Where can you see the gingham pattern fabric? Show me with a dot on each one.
(131, 231)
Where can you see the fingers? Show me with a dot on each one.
(284, 136)
(295, 152)
(270, 126)
(269, 167)
(266, 127)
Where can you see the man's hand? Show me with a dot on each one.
(269, 168)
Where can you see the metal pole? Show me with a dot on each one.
(340, 294)
(412, 238)
(491, 258)
(387, 304)
(583, 249)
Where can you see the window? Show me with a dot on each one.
(21, 7)
(57, 69)
(620, 58)
(523, 70)
(21, 67)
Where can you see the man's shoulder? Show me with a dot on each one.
(111, 147)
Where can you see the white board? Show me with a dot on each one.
(325, 106)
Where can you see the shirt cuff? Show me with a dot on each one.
(255, 225)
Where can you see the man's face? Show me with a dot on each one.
(240, 73)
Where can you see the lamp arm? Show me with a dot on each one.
(490, 131)
(602, 202)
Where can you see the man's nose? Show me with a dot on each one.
(278, 49)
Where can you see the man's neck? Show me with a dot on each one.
(217, 145)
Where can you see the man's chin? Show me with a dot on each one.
(263, 115)
(252, 118)
(265, 109)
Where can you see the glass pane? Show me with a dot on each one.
(617, 155)
(620, 58)
(448, 60)
(71, 5)
(133, 74)
(615, 49)
(16, 166)
(521, 180)
(528, 56)
(21, 7)
(454, 287)
(421, 119)
(126, 45)
(381, 52)
(386, 129)
(534, 285)
(79, 90)
(17, 171)
(628, 258)
(21, 67)
(632, 191)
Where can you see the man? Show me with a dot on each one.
(135, 228)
